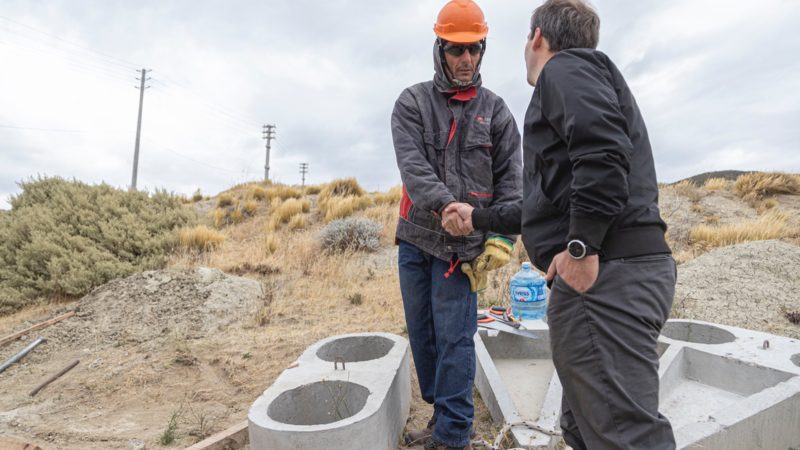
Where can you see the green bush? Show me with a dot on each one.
(63, 238)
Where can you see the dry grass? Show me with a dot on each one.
(288, 209)
(341, 198)
(220, 217)
(766, 205)
(249, 208)
(236, 216)
(342, 188)
(200, 238)
(716, 184)
(772, 225)
(270, 243)
(688, 189)
(283, 192)
(298, 222)
(391, 197)
(313, 189)
(224, 200)
(343, 207)
(753, 187)
(257, 193)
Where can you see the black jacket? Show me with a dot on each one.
(588, 166)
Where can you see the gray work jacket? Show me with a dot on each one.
(453, 145)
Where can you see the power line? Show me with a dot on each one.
(111, 58)
(80, 66)
(162, 147)
(55, 130)
(229, 113)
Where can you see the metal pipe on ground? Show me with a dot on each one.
(22, 354)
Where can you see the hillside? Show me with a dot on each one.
(188, 348)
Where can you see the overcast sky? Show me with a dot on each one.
(718, 83)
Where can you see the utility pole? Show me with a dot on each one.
(268, 134)
(304, 171)
(141, 88)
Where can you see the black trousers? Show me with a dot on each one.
(604, 349)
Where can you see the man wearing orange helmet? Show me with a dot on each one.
(455, 141)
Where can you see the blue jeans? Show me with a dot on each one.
(441, 317)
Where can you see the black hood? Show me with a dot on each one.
(440, 79)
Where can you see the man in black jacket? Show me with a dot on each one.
(590, 219)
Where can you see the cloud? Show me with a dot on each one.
(713, 79)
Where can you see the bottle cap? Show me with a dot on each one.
(527, 265)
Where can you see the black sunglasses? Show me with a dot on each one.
(459, 49)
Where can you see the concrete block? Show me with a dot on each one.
(721, 387)
(347, 392)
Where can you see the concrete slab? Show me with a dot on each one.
(347, 392)
(721, 387)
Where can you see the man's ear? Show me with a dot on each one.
(537, 40)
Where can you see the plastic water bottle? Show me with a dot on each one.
(528, 294)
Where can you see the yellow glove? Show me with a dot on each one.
(496, 253)
(477, 280)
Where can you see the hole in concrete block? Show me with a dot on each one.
(697, 384)
(697, 333)
(355, 348)
(319, 403)
(796, 359)
(661, 348)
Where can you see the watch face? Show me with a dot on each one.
(576, 249)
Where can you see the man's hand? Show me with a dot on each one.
(579, 274)
(457, 219)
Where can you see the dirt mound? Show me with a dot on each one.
(147, 306)
(748, 285)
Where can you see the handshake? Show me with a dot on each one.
(457, 219)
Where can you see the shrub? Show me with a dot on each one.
(197, 196)
(773, 224)
(224, 200)
(63, 238)
(200, 238)
(351, 234)
(755, 186)
(391, 196)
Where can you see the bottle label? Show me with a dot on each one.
(522, 294)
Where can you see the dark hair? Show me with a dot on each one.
(567, 24)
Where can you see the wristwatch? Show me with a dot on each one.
(578, 250)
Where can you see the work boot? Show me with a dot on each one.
(433, 444)
(419, 436)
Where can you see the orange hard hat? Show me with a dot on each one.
(461, 21)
